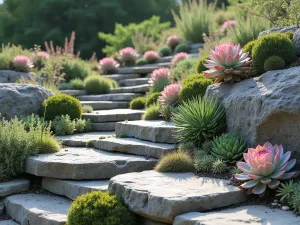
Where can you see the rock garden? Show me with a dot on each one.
(188, 122)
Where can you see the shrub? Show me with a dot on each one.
(152, 113)
(175, 162)
(97, 85)
(141, 62)
(194, 19)
(184, 68)
(151, 56)
(74, 69)
(203, 162)
(159, 79)
(22, 63)
(152, 98)
(274, 63)
(82, 125)
(199, 119)
(249, 47)
(108, 66)
(273, 44)
(178, 57)
(63, 125)
(193, 86)
(182, 48)
(61, 104)
(64, 86)
(173, 41)
(290, 34)
(165, 51)
(219, 167)
(138, 103)
(99, 208)
(128, 56)
(169, 96)
(77, 84)
(200, 67)
(39, 59)
(87, 109)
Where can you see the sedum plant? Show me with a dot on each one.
(179, 57)
(227, 63)
(173, 41)
(286, 190)
(22, 63)
(264, 167)
(229, 147)
(108, 66)
(151, 56)
(159, 79)
(169, 96)
(128, 56)
(175, 162)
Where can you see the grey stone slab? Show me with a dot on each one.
(113, 115)
(8, 222)
(110, 97)
(132, 89)
(85, 164)
(253, 215)
(108, 126)
(74, 92)
(133, 146)
(13, 187)
(163, 196)
(36, 209)
(73, 189)
(2, 208)
(119, 77)
(133, 82)
(100, 105)
(155, 131)
(143, 69)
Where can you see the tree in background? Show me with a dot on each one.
(29, 22)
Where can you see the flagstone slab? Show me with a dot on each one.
(14, 187)
(143, 88)
(73, 92)
(133, 82)
(110, 97)
(119, 77)
(100, 105)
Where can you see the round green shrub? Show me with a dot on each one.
(99, 208)
(175, 162)
(249, 47)
(274, 62)
(152, 98)
(75, 68)
(165, 51)
(141, 62)
(97, 85)
(138, 103)
(184, 68)
(61, 104)
(182, 48)
(152, 113)
(273, 44)
(195, 85)
(77, 84)
(200, 66)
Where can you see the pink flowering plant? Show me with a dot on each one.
(151, 56)
(39, 59)
(173, 41)
(128, 56)
(228, 24)
(169, 96)
(108, 66)
(22, 63)
(227, 63)
(178, 57)
(159, 79)
(265, 166)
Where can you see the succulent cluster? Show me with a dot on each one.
(173, 41)
(22, 63)
(159, 79)
(151, 56)
(169, 96)
(178, 57)
(108, 66)
(227, 24)
(227, 63)
(128, 56)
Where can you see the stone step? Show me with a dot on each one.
(110, 97)
(118, 77)
(37, 209)
(100, 105)
(85, 164)
(80, 140)
(251, 214)
(106, 126)
(163, 196)
(72, 189)
(155, 131)
(143, 69)
(134, 89)
(2, 208)
(14, 187)
(133, 146)
(8, 222)
(74, 92)
(134, 82)
(113, 115)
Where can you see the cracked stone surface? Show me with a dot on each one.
(110, 97)
(13, 187)
(163, 196)
(85, 164)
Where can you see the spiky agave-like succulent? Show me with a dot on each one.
(229, 147)
(179, 57)
(128, 56)
(151, 56)
(108, 66)
(22, 63)
(227, 62)
(169, 96)
(264, 167)
(173, 41)
(199, 119)
(159, 79)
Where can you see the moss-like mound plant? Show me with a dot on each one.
(61, 104)
(97, 85)
(200, 66)
(75, 68)
(175, 162)
(273, 44)
(152, 98)
(249, 47)
(152, 112)
(165, 51)
(182, 48)
(274, 63)
(290, 34)
(219, 167)
(77, 84)
(99, 208)
(141, 62)
(138, 103)
(184, 68)
(194, 85)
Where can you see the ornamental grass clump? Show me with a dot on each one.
(151, 56)
(175, 162)
(159, 79)
(75, 69)
(128, 56)
(173, 41)
(22, 63)
(108, 66)
(169, 96)
(265, 166)
(179, 57)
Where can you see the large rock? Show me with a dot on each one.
(163, 196)
(296, 40)
(21, 99)
(264, 109)
(11, 76)
(278, 30)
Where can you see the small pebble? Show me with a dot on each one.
(274, 204)
(285, 208)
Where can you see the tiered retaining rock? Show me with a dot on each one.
(13, 187)
(131, 89)
(110, 97)
(133, 82)
(101, 105)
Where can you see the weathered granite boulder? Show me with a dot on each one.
(296, 40)
(280, 30)
(264, 108)
(11, 76)
(21, 99)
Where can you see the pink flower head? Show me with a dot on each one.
(227, 62)
(22, 63)
(159, 75)
(227, 24)
(43, 55)
(178, 57)
(173, 41)
(128, 56)
(151, 56)
(169, 96)
(108, 66)
(265, 166)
